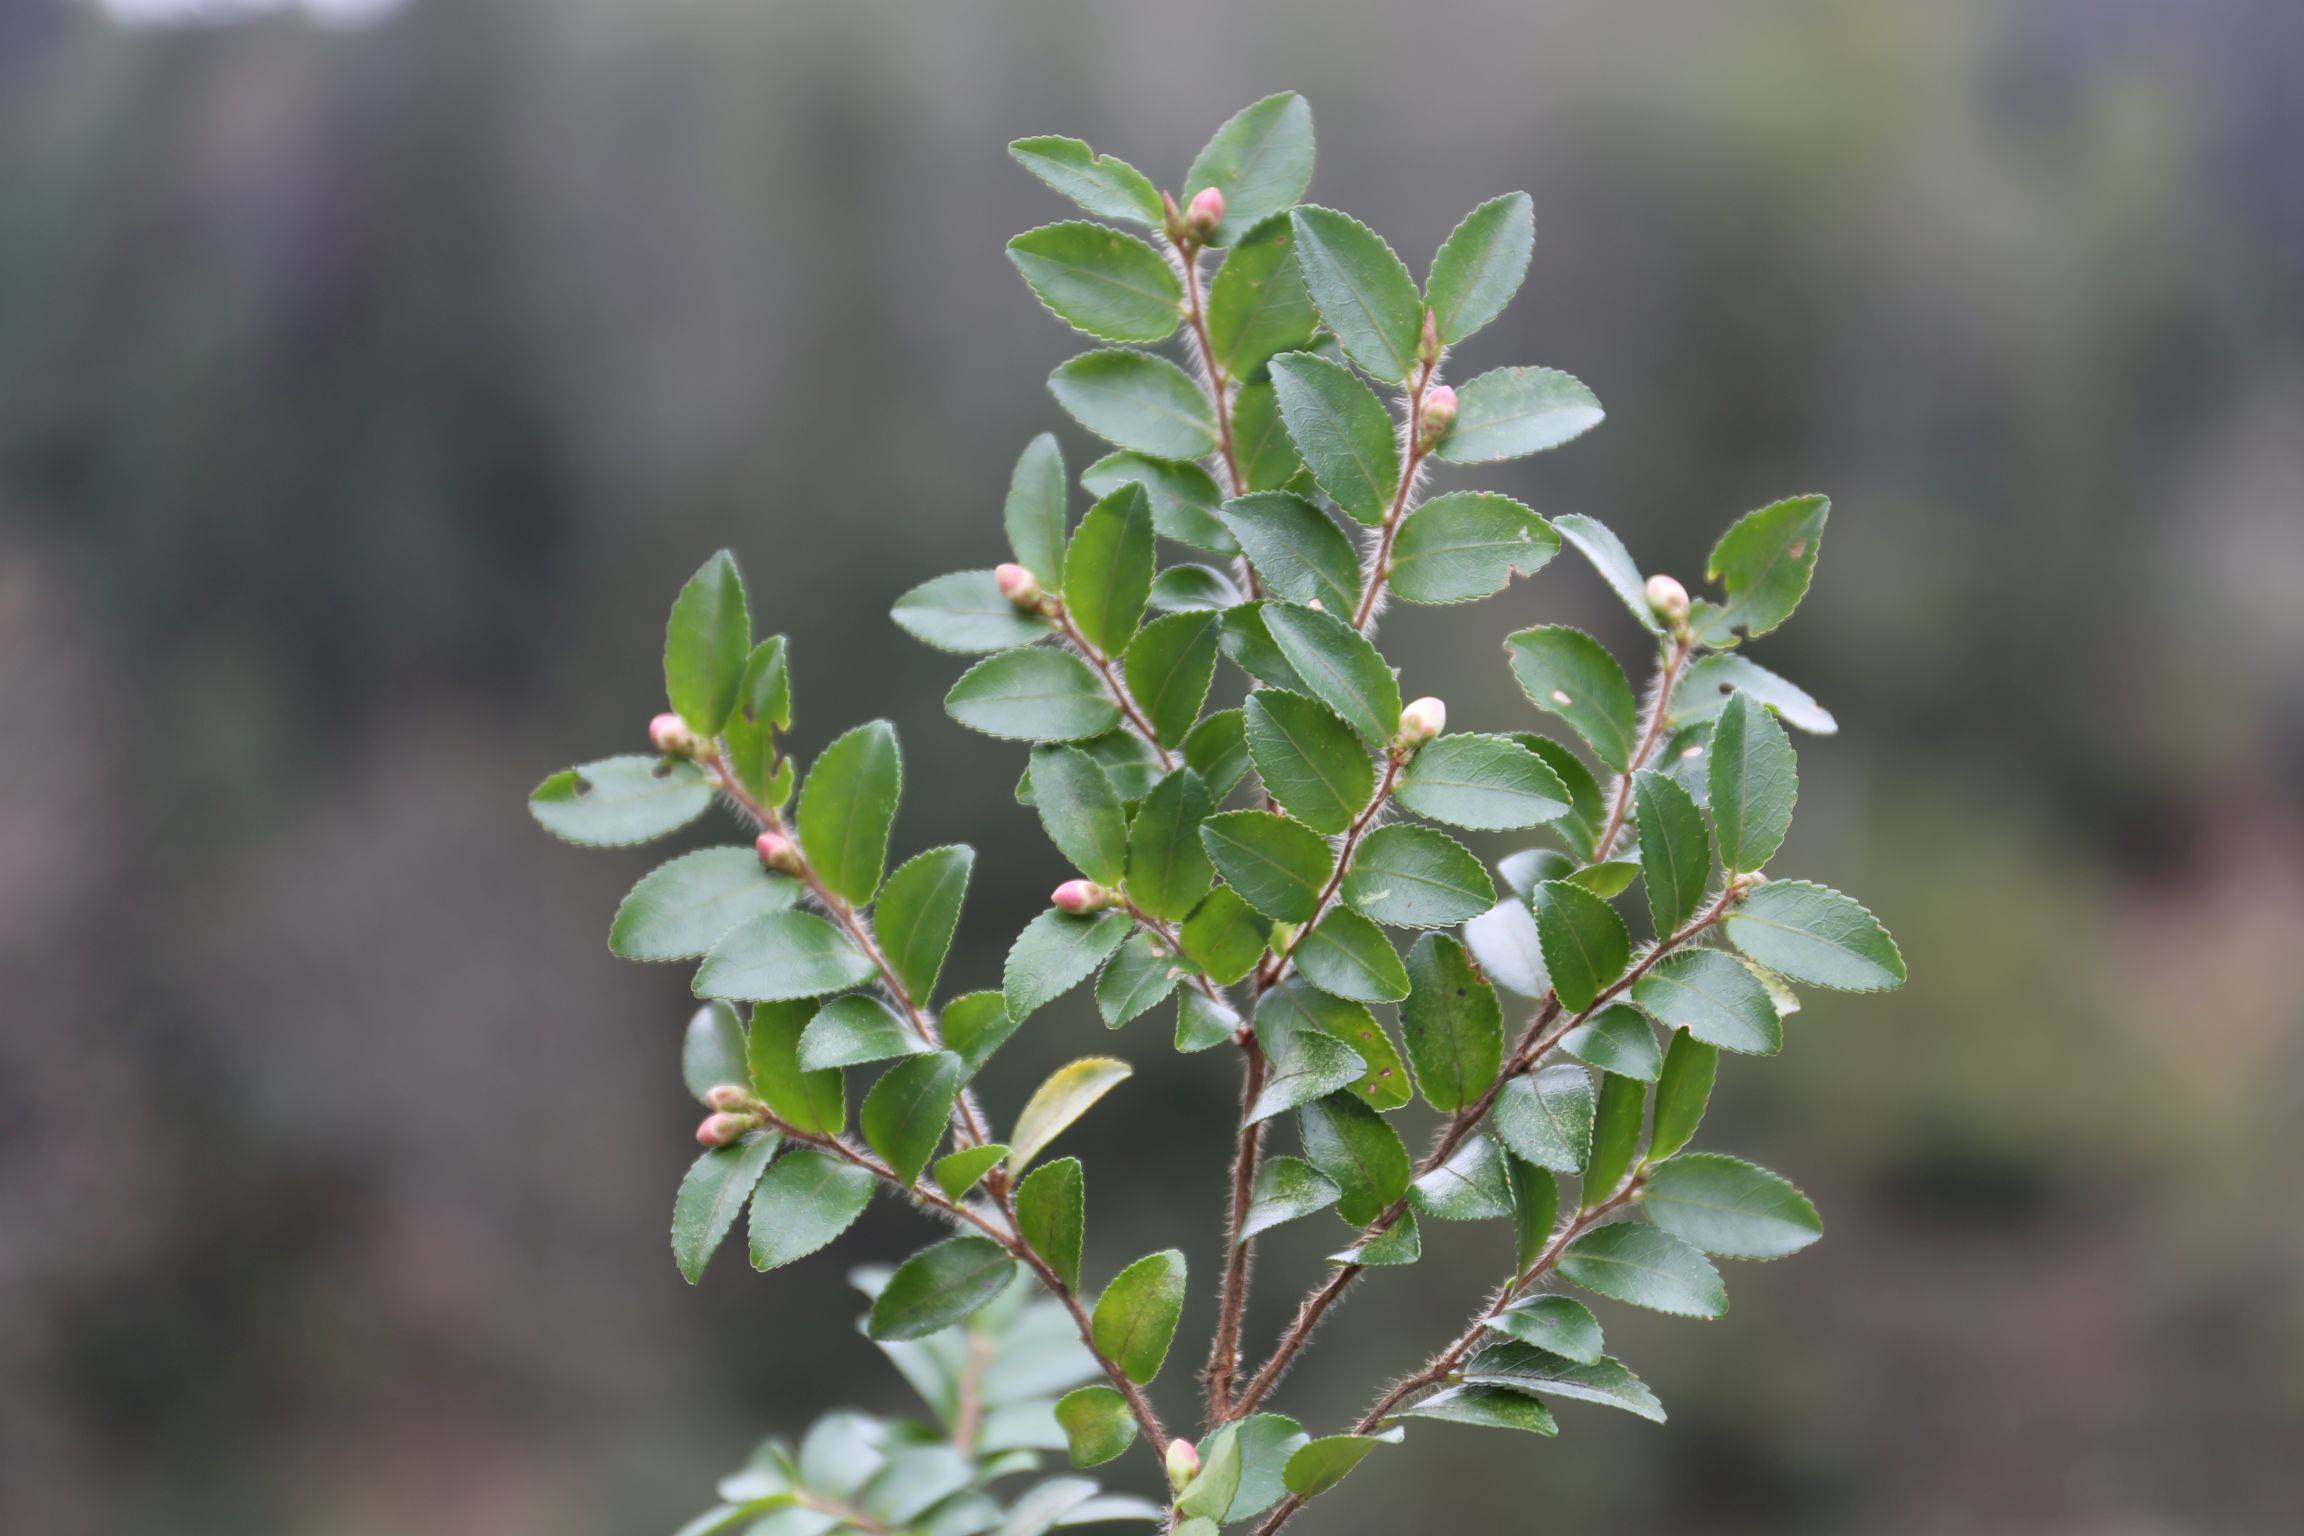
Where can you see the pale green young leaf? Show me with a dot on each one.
(1055, 953)
(1034, 512)
(976, 1025)
(1209, 1492)
(1104, 185)
(1485, 1408)
(1080, 812)
(1726, 1206)
(1416, 877)
(1098, 1425)
(679, 910)
(1348, 955)
(1184, 497)
(706, 643)
(903, 1117)
(1298, 551)
(765, 695)
(1814, 934)
(1362, 290)
(1682, 1090)
(1481, 265)
(1136, 401)
(1217, 750)
(1068, 1093)
(1468, 545)
(1471, 1185)
(1287, 1188)
(1100, 281)
(619, 801)
(918, 911)
(1202, 1021)
(809, 1102)
(1343, 431)
(1559, 1325)
(1707, 685)
(1766, 560)
(848, 806)
(1519, 1367)
(1223, 938)
(1339, 667)
(1309, 760)
(1268, 460)
(1453, 1024)
(1400, 1243)
(1610, 878)
(1643, 1267)
(1278, 866)
(1535, 1206)
(1484, 783)
(1169, 666)
(1265, 1442)
(1754, 780)
(1675, 850)
(1615, 1137)
(807, 1199)
(855, 1030)
(1618, 1039)
(1509, 413)
(966, 613)
(1260, 159)
(1598, 543)
(1586, 945)
(1137, 979)
(956, 1173)
(1383, 1085)
(713, 1192)
(1257, 306)
(1358, 1149)
(1032, 695)
(1052, 1216)
(711, 1050)
(1545, 1118)
(940, 1286)
(1567, 673)
(1136, 1316)
(1505, 942)
(1108, 568)
(781, 955)
(1323, 1463)
(1307, 1062)
(1168, 870)
(1714, 998)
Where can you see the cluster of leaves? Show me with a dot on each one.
(1257, 865)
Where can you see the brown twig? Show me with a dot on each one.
(1113, 684)
(1380, 563)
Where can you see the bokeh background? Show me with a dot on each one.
(371, 374)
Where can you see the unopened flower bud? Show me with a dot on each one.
(1421, 721)
(669, 734)
(1439, 412)
(733, 1098)
(1018, 585)
(1668, 598)
(1183, 1462)
(722, 1129)
(1206, 212)
(1428, 342)
(1079, 896)
(778, 852)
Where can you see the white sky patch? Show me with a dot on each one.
(334, 13)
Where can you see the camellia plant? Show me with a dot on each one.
(1251, 871)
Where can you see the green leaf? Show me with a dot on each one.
(1358, 1149)
(1486, 1408)
(1707, 684)
(1136, 1316)
(1108, 568)
(1201, 1021)
(1307, 1062)
(619, 801)
(1136, 401)
(1268, 460)
(1399, 1243)
(1504, 940)
(1278, 866)
(848, 806)
(1643, 1267)
(1384, 1085)
(1609, 879)
(808, 1199)
(1224, 937)
(1588, 813)
(1034, 512)
(1559, 1325)
(1128, 760)
(1298, 551)
(1168, 870)
(1586, 945)
(1339, 667)
(706, 644)
(1415, 877)
(1510, 413)
(1104, 185)
(1727, 1206)
(1210, 1491)
(903, 1116)
(1249, 645)
(1754, 780)
(1471, 1185)
(1481, 265)
(765, 695)
(1217, 750)
(1485, 783)
(1100, 281)
(1675, 850)
(966, 613)
(1264, 1442)
(1566, 672)
(810, 1102)
(1599, 544)
(1308, 759)
(1261, 160)
(1257, 306)
(1195, 589)
(1137, 978)
(1468, 545)
(781, 955)
(1343, 431)
(1080, 813)
(1097, 1425)
(1814, 934)
(1067, 1094)
(1453, 1024)
(1519, 1367)
(1714, 998)
(1535, 1205)
(714, 1190)
(1348, 955)
(1052, 1216)
(854, 1030)
(1032, 695)
(1545, 1118)
(712, 1050)
(1322, 1464)
(1681, 1093)
(957, 1173)
(919, 910)
(1615, 1137)
(1362, 290)
(1617, 1039)
(1766, 560)
(679, 910)
(1183, 497)
(1169, 666)
(1286, 1188)
(1055, 953)
(976, 1025)
(939, 1286)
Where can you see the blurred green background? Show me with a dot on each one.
(370, 377)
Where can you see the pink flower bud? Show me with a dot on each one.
(734, 1098)
(1421, 721)
(1183, 1462)
(1018, 585)
(1080, 896)
(1439, 412)
(669, 734)
(1206, 212)
(1668, 598)
(723, 1129)
(778, 852)
(1428, 342)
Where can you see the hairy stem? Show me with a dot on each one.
(1224, 1348)
(1113, 684)
(1219, 386)
(1380, 563)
